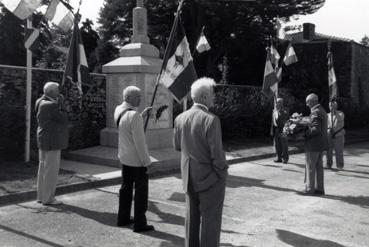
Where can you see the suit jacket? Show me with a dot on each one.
(316, 136)
(197, 134)
(282, 117)
(52, 131)
(132, 147)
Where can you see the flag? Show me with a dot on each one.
(60, 15)
(31, 39)
(270, 82)
(77, 68)
(21, 8)
(281, 34)
(178, 72)
(332, 81)
(290, 55)
(278, 71)
(202, 44)
(274, 55)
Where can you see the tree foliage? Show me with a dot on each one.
(54, 42)
(365, 40)
(237, 29)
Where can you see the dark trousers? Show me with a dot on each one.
(281, 145)
(138, 177)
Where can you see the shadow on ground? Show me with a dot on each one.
(295, 239)
(29, 236)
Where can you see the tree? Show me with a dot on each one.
(365, 40)
(11, 39)
(90, 39)
(239, 30)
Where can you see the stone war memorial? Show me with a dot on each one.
(139, 65)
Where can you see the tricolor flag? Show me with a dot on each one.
(60, 15)
(290, 55)
(178, 72)
(21, 8)
(77, 68)
(270, 82)
(31, 39)
(202, 44)
(332, 81)
(274, 55)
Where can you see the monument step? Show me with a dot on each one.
(164, 160)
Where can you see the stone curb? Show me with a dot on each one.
(91, 184)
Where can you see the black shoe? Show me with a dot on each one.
(125, 223)
(285, 161)
(278, 161)
(144, 228)
(305, 193)
(319, 192)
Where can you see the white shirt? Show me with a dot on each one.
(132, 147)
(207, 108)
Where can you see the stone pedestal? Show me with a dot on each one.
(138, 65)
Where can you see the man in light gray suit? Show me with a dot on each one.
(198, 135)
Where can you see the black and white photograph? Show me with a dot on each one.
(184, 123)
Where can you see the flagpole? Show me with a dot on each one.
(28, 99)
(162, 65)
(329, 100)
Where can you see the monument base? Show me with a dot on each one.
(155, 138)
(163, 160)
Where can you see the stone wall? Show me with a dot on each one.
(87, 115)
(360, 77)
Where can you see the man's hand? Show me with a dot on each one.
(150, 170)
(147, 112)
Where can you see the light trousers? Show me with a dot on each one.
(48, 169)
(314, 174)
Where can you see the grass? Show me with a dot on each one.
(18, 176)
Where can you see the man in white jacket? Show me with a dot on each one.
(134, 157)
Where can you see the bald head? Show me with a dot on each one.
(51, 89)
(312, 100)
(132, 95)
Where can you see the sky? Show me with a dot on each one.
(342, 18)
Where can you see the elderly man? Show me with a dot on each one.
(279, 118)
(134, 156)
(52, 137)
(316, 143)
(336, 135)
(198, 135)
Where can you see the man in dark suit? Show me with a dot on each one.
(198, 135)
(279, 118)
(316, 142)
(52, 137)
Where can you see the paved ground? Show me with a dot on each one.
(261, 209)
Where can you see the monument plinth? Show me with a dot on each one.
(138, 65)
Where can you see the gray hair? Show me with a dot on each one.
(200, 87)
(130, 91)
(50, 87)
